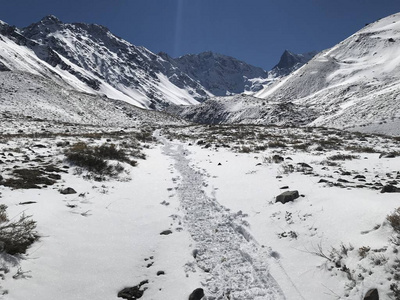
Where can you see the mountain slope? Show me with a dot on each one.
(132, 71)
(354, 85)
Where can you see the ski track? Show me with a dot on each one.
(236, 263)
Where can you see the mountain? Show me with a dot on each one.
(290, 62)
(354, 85)
(134, 73)
(36, 82)
(221, 75)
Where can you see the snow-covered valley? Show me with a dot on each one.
(199, 210)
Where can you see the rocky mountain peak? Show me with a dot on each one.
(290, 62)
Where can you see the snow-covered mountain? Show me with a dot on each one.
(353, 85)
(98, 61)
(220, 74)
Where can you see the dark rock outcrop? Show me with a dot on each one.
(197, 294)
(287, 196)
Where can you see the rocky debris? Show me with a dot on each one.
(387, 155)
(303, 167)
(132, 293)
(372, 295)
(390, 189)
(166, 232)
(197, 294)
(67, 191)
(287, 196)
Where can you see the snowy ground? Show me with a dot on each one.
(211, 192)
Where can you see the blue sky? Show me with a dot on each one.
(256, 31)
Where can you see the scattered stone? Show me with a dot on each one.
(39, 146)
(343, 180)
(372, 295)
(160, 273)
(287, 196)
(1, 178)
(387, 155)
(323, 181)
(304, 167)
(359, 177)
(346, 173)
(166, 232)
(277, 159)
(68, 191)
(133, 293)
(27, 202)
(197, 294)
(284, 187)
(219, 164)
(390, 189)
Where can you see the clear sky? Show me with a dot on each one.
(256, 31)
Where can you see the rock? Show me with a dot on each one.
(197, 294)
(359, 177)
(387, 155)
(304, 167)
(68, 191)
(1, 178)
(287, 196)
(390, 189)
(284, 187)
(160, 273)
(323, 181)
(133, 293)
(346, 173)
(166, 232)
(372, 295)
(277, 159)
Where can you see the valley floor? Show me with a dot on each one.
(198, 213)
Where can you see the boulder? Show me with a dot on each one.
(372, 295)
(68, 191)
(390, 189)
(387, 155)
(197, 294)
(287, 196)
(277, 159)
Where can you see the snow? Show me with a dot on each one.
(228, 235)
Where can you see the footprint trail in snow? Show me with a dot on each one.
(236, 264)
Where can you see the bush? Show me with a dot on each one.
(394, 220)
(343, 157)
(94, 159)
(18, 235)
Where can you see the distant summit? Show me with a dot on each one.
(220, 74)
(290, 62)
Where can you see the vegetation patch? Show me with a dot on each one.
(94, 158)
(16, 236)
(30, 179)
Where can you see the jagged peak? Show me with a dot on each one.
(50, 19)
